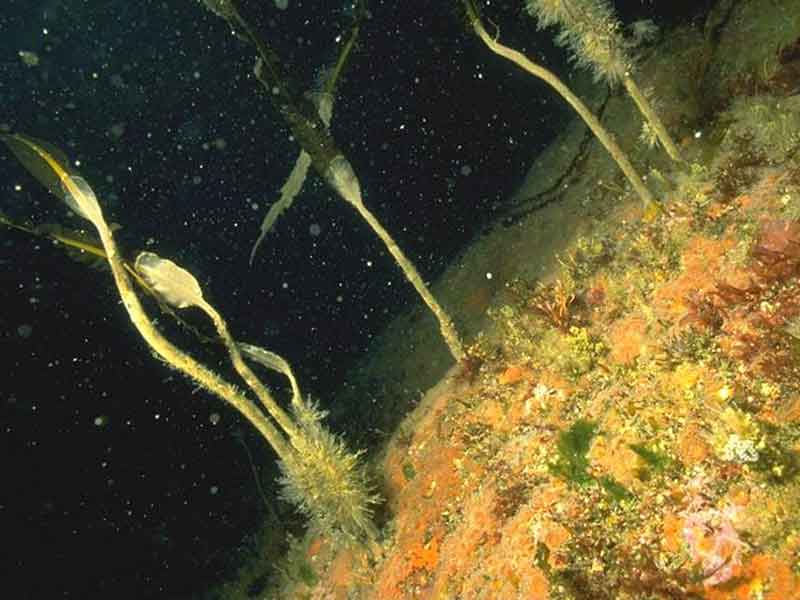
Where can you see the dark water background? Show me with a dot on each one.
(116, 481)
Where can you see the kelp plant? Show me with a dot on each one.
(537, 70)
(327, 159)
(321, 477)
(590, 29)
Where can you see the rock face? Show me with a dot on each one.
(649, 449)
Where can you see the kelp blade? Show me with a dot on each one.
(80, 197)
(42, 160)
(50, 167)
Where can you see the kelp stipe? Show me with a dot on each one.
(321, 477)
(307, 125)
(553, 81)
(592, 32)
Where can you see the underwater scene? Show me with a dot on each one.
(437, 300)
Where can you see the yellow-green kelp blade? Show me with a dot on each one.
(24, 148)
(51, 168)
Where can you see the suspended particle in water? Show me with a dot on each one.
(117, 130)
(30, 59)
